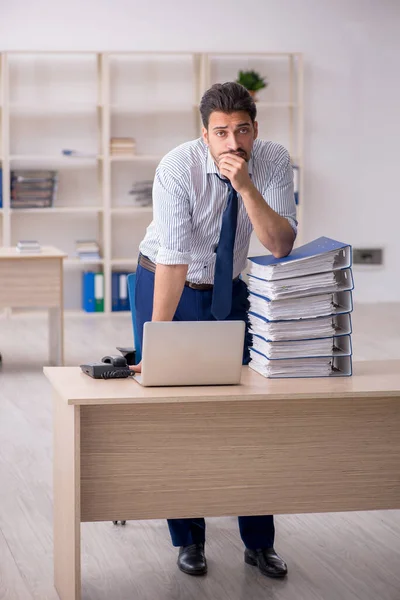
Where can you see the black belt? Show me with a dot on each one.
(148, 264)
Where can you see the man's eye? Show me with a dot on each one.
(245, 130)
(220, 133)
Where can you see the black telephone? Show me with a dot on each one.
(110, 367)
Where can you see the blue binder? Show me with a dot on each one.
(304, 257)
(340, 366)
(88, 291)
(342, 303)
(1, 187)
(259, 325)
(341, 347)
(119, 291)
(281, 289)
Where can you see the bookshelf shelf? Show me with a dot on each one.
(54, 100)
(58, 109)
(132, 109)
(136, 158)
(77, 262)
(73, 160)
(132, 210)
(132, 262)
(59, 210)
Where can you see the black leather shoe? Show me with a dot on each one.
(267, 560)
(192, 560)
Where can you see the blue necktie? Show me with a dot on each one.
(222, 293)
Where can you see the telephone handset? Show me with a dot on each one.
(110, 367)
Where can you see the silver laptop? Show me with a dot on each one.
(192, 353)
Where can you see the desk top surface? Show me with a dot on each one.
(370, 380)
(46, 252)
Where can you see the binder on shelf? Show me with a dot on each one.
(323, 347)
(114, 291)
(99, 292)
(300, 329)
(1, 187)
(92, 291)
(296, 177)
(305, 285)
(319, 256)
(119, 291)
(88, 303)
(338, 366)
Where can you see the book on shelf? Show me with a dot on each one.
(122, 146)
(142, 193)
(87, 250)
(299, 311)
(33, 188)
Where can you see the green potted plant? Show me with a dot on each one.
(252, 81)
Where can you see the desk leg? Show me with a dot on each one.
(67, 514)
(56, 337)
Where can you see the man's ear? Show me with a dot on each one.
(205, 135)
(255, 126)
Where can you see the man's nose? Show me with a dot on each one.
(232, 142)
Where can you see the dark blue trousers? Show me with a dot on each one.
(195, 305)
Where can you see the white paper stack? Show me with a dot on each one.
(300, 311)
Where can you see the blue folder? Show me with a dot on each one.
(341, 347)
(119, 291)
(88, 295)
(303, 256)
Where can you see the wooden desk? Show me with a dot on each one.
(36, 281)
(122, 451)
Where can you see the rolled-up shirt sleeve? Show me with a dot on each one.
(172, 218)
(279, 192)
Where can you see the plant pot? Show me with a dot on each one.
(253, 94)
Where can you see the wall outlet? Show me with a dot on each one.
(367, 256)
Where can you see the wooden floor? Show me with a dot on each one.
(330, 557)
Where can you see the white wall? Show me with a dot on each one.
(352, 92)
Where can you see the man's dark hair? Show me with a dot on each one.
(228, 98)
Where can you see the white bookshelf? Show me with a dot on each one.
(79, 100)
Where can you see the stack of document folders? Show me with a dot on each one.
(300, 309)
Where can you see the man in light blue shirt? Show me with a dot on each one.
(208, 197)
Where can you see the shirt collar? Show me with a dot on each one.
(212, 167)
